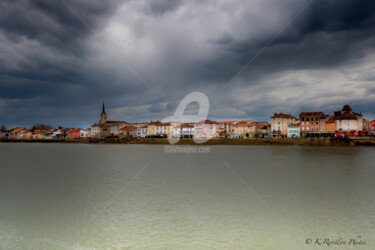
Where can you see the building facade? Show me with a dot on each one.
(348, 121)
(185, 130)
(227, 127)
(294, 130)
(159, 129)
(139, 132)
(206, 129)
(280, 123)
(312, 122)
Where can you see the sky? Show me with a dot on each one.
(59, 60)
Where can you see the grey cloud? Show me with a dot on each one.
(160, 7)
(52, 64)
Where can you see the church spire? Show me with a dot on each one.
(103, 116)
(103, 109)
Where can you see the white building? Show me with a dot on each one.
(185, 130)
(348, 121)
(294, 130)
(56, 133)
(139, 132)
(84, 133)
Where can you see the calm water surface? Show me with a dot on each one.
(63, 196)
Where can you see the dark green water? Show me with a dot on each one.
(64, 196)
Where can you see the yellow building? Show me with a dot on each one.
(280, 123)
(159, 129)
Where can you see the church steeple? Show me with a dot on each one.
(103, 116)
(103, 109)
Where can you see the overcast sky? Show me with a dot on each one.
(59, 60)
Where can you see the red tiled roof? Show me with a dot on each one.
(187, 125)
(346, 116)
(223, 122)
(281, 115)
(244, 124)
(312, 113)
(129, 127)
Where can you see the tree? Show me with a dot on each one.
(41, 127)
(3, 128)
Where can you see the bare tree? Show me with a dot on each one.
(41, 127)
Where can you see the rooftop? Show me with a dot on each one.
(281, 115)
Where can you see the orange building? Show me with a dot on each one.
(310, 122)
(331, 126)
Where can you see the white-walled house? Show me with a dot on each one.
(348, 121)
(294, 130)
(85, 133)
(139, 132)
(183, 130)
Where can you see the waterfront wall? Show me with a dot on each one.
(273, 141)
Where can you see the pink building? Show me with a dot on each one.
(206, 129)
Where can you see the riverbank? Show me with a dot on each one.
(272, 141)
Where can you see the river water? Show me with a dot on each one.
(64, 196)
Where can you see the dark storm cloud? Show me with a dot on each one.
(53, 23)
(55, 69)
(326, 34)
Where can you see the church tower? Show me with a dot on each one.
(103, 116)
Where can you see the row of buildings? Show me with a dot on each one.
(22, 133)
(309, 124)
(344, 122)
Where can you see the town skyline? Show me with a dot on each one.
(342, 123)
(88, 124)
(191, 110)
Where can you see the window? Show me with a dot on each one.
(312, 123)
(303, 123)
(278, 123)
(317, 123)
(307, 129)
(307, 119)
(303, 119)
(317, 129)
